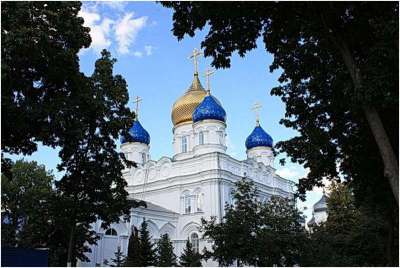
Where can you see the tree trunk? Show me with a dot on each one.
(71, 245)
(391, 167)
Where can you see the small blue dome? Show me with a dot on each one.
(209, 108)
(258, 138)
(137, 134)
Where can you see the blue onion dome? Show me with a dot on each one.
(209, 108)
(321, 205)
(258, 138)
(137, 134)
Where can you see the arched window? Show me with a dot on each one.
(112, 232)
(201, 138)
(188, 207)
(143, 158)
(184, 144)
(199, 202)
(194, 240)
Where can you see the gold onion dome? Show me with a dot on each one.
(183, 108)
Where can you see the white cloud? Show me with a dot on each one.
(138, 54)
(126, 31)
(149, 50)
(117, 5)
(99, 29)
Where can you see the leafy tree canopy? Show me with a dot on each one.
(25, 205)
(351, 236)
(40, 71)
(255, 233)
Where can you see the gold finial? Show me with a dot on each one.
(256, 108)
(207, 74)
(137, 101)
(194, 56)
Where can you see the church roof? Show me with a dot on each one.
(258, 138)
(137, 134)
(321, 204)
(209, 108)
(154, 207)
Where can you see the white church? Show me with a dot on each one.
(195, 182)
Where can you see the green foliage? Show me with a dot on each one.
(350, 237)
(254, 233)
(40, 71)
(147, 252)
(190, 258)
(165, 252)
(119, 259)
(52, 102)
(133, 256)
(25, 205)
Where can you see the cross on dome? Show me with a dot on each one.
(194, 56)
(207, 74)
(137, 101)
(256, 108)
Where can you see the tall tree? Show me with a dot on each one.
(147, 252)
(190, 258)
(132, 258)
(339, 72)
(165, 252)
(93, 187)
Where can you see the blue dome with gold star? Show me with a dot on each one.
(258, 138)
(209, 108)
(137, 134)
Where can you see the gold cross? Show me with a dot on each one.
(137, 101)
(194, 56)
(207, 74)
(256, 108)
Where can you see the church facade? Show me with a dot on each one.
(196, 182)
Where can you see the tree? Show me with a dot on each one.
(133, 257)
(52, 102)
(234, 238)
(39, 65)
(256, 234)
(93, 187)
(147, 252)
(282, 238)
(25, 205)
(165, 252)
(351, 236)
(339, 77)
(119, 259)
(189, 257)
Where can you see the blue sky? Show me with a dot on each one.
(156, 67)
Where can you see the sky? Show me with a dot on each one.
(156, 67)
